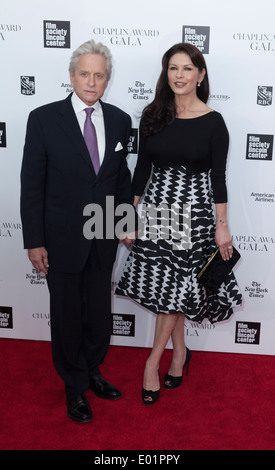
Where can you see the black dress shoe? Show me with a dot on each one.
(104, 389)
(79, 409)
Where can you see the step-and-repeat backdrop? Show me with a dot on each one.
(238, 41)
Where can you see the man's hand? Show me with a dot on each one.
(128, 239)
(39, 259)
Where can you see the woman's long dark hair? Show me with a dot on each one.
(162, 110)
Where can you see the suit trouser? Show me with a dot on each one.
(80, 311)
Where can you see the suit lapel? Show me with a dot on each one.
(109, 135)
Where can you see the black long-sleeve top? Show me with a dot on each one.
(200, 144)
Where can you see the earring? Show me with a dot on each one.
(199, 84)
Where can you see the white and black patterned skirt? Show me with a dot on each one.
(177, 235)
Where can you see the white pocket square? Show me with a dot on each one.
(118, 147)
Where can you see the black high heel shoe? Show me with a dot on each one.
(149, 397)
(170, 381)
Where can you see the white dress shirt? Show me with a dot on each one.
(97, 119)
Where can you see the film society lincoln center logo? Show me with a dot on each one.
(57, 34)
(247, 332)
(198, 36)
(3, 140)
(6, 320)
(259, 147)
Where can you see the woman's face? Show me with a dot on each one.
(183, 76)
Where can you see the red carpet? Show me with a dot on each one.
(226, 403)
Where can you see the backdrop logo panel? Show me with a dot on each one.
(264, 95)
(264, 42)
(198, 36)
(256, 290)
(57, 34)
(123, 325)
(247, 332)
(27, 85)
(126, 36)
(193, 329)
(140, 92)
(42, 317)
(6, 320)
(6, 29)
(219, 97)
(253, 242)
(133, 141)
(36, 277)
(263, 197)
(3, 137)
(8, 229)
(259, 147)
(137, 38)
(67, 87)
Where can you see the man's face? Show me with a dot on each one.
(89, 79)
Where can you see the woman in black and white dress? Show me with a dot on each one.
(185, 143)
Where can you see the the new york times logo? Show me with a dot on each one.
(198, 36)
(264, 95)
(57, 34)
(165, 222)
(27, 85)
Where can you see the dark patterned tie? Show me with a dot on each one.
(91, 140)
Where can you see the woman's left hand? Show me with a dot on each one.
(224, 242)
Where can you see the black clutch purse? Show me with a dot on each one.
(215, 270)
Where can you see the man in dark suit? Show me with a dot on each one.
(58, 180)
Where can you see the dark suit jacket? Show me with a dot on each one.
(58, 181)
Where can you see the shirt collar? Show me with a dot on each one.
(79, 105)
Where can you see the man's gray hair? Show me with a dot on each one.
(91, 47)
